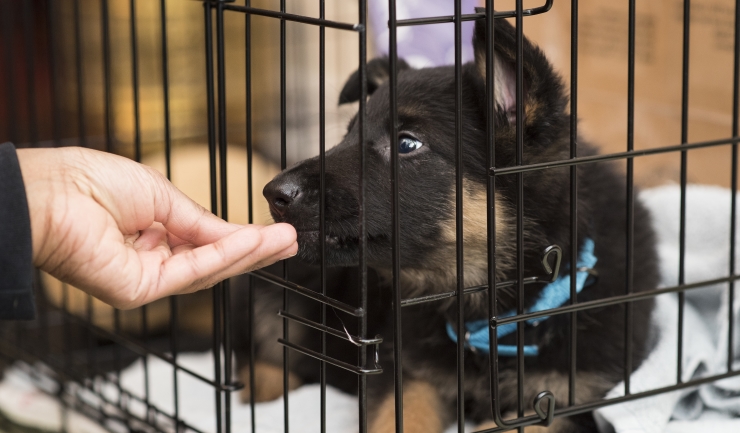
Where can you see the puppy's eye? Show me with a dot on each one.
(408, 144)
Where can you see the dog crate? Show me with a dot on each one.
(217, 92)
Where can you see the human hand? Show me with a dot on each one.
(123, 233)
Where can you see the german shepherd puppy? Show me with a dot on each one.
(428, 242)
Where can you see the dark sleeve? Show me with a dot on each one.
(16, 254)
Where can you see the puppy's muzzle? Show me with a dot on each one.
(282, 193)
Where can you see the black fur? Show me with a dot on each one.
(377, 74)
(427, 178)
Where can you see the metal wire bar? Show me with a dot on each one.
(174, 316)
(491, 212)
(166, 96)
(357, 341)
(90, 349)
(467, 291)
(520, 205)
(82, 140)
(395, 214)
(53, 74)
(684, 155)
(341, 306)
(362, 284)
(223, 183)
(284, 16)
(439, 20)
(500, 171)
(637, 296)
(573, 199)
(107, 93)
(476, 16)
(218, 289)
(135, 79)
(353, 368)
(490, 203)
(283, 165)
(322, 201)
(134, 40)
(630, 217)
(29, 43)
(733, 190)
(250, 207)
(117, 364)
(81, 132)
(459, 252)
(43, 319)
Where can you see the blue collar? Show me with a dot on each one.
(552, 296)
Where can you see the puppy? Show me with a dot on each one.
(426, 101)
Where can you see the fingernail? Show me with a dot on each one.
(287, 256)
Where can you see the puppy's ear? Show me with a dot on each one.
(377, 73)
(543, 91)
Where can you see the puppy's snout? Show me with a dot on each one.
(281, 194)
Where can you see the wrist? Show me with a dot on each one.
(46, 174)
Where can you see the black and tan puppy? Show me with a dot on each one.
(426, 101)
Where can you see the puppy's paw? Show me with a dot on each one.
(268, 382)
(422, 411)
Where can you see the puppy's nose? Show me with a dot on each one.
(280, 194)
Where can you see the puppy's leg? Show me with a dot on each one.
(268, 382)
(423, 410)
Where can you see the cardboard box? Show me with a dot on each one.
(603, 72)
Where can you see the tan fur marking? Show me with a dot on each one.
(475, 234)
(480, 61)
(422, 410)
(268, 382)
(532, 109)
(475, 247)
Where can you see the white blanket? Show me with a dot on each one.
(710, 408)
(713, 407)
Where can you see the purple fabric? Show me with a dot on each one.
(428, 45)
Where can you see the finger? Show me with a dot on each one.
(152, 237)
(269, 235)
(282, 255)
(185, 219)
(175, 242)
(234, 254)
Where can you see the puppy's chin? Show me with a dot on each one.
(339, 251)
(343, 250)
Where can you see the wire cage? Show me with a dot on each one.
(118, 76)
